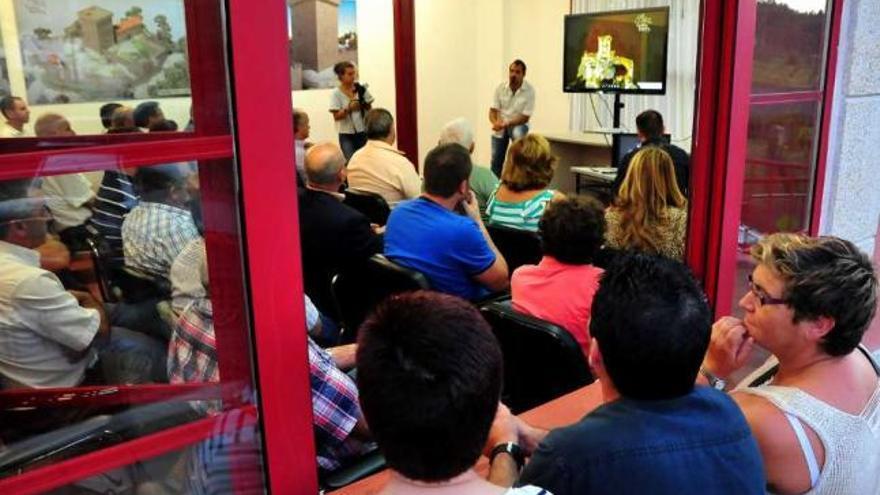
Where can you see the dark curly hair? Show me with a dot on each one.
(824, 276)
(572, 229)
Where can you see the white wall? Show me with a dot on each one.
(375, 24)
(463, 49)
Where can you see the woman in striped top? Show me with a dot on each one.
(520, 199)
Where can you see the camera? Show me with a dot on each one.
(360, 89)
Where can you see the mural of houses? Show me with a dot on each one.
(96, 28)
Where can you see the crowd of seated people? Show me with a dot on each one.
(428, 370)
(483, 181)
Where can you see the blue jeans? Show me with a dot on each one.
(351, 143)
(132, 357)
(499, 145)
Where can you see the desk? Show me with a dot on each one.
(577, 149)
(563, 411)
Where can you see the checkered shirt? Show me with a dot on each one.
(153, 234)
(192, 350)
(335, 409)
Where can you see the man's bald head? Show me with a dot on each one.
(323, 163)
(52, 125)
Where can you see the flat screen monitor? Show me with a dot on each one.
(623, 143)
(616, 52)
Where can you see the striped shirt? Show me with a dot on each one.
(115, 198)
(523, 215)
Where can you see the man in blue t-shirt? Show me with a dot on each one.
(656, 432)
(453, 250)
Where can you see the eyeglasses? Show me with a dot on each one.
(762, 296)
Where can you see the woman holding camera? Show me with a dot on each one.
(349, 103)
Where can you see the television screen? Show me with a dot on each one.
(616, 52)
(625, 142)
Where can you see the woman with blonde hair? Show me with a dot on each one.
(520, 199)
(650, 212)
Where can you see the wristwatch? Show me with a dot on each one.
(714, 381)
(512, 449)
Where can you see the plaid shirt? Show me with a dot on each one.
(153, 234)
(192, 350)
(335, 408)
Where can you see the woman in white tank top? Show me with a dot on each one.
(810, 301)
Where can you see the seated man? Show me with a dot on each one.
(48, 336)
(650, 130)
(148, 114)
(429, 373)
(106, 112)
(158, 228)
(69, 196)
(453, 250)
(116, 197)
(809, 303)
(656, 433)
(301, 129)
(333, 235)
(483, 181)
(381, 168)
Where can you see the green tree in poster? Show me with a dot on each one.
(134, 11)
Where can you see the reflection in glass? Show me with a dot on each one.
(789, 42)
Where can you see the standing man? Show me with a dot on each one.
(511, 109)
(15, 115)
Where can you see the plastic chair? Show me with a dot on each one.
(372, 205)
(541, 360)
(519, 247)
(358, 290)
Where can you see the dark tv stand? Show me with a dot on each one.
(618, 106)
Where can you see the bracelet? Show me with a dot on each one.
(513, 450)
(714, 381)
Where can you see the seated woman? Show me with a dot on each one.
(522, 196)
(649, 213)
(560, 288)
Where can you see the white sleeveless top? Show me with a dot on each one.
(852, 443)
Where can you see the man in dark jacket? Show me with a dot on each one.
(332, 234)
(650, 129)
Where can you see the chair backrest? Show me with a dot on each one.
(541, 360)
(98, 251)
(359, 289)
(519, 247)
(372, 205)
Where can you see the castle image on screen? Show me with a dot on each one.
(616, 51)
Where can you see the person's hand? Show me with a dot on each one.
(499, 125)
(471, 207)
(729, 347)
(354, 106)
(377, 229)
(85, 299)
(504, 429)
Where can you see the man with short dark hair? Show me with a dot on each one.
(428, 234)
(15, 114)
(148, 114)
(650, 130)
(512, 107)
(655, 433)
(429, 375)
(106, 112)
(381, 168)
(333, 235)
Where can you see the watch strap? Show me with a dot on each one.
(714, 381)
(512, 449)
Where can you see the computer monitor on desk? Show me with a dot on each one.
(623, 143)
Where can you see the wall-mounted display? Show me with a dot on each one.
(98, 50)
(322, 33)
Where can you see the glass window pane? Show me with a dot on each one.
(75, 57)
(789, 46)
(110, 307)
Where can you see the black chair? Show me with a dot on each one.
(361, 467)
(359, 289)
(98, 251)
(372, 205)
(519, 247)
(541, 360)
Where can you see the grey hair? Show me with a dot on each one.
(299, 117)
(322, 165)
(379, 123)
(458, 131)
